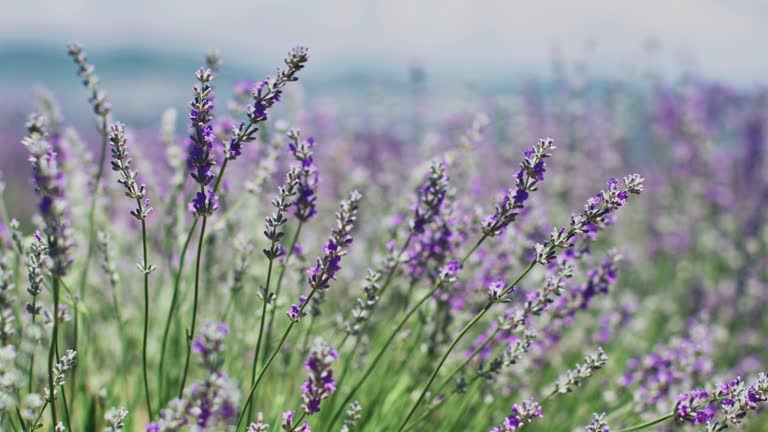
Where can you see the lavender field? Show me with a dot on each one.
(220, 250)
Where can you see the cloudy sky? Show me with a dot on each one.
(719, 39)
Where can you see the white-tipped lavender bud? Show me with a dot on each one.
(576, 376)
(115, 419)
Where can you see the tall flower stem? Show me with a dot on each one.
(52, 350)
(177, 284)
(32, 355)
(456, 340)
(265, 300)
(172, 308)
(469, 358)
(191, 330)
(146, 271)
(648, 423)
(279, 285)
(264, 368)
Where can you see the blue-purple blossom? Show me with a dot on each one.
(522, 414)
(430, 197)
(695, 407)
(265, 94)
(320, 383)
(210, 404)
(531, 172)
(204, 204)
(302, 151)
(288, 423)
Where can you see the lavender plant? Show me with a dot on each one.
(468, 318)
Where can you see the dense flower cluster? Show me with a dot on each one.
(531, 172)
(522, 414)
(302, 151)
(265, 94)
(320, 383)
(210, 404)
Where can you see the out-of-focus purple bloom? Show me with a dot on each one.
(49, 184)
(211, 404)
(522, 414)
(320, 383)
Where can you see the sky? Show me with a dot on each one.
(714, 39)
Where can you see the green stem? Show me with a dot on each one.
(32, 359)
(648, 423)
(52, 350)
(191, 332)
(263, 319)
(298, 421)
(176, 285)
(172, 309)
(269, 361)
(279, 285)
(146, 271)
(456, 340)
(464, 364)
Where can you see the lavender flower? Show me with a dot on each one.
(98, 99)
(335, 248)
(598, 424)
(308, 180)
(49, 184)
(115, 419)
(737, 399)
(66, 363)
(204, 204)
(531, 172)
(537, 301)
(265, 94)
(510, 355)
(353, 417)
(430, 198)
(290, 427)
(595, 214)
(320, 383)
(694, 407)
(11, 379)
(273, 226)
(121, 163)
(364, 305)
(575, 377)
(210, 404)
(259, 426)
(201, 139)
(522, 414)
